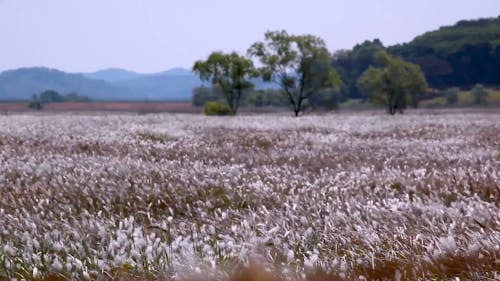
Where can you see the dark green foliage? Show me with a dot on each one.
(217, 108)
(462, 55)
(352, 63)
(479, 95)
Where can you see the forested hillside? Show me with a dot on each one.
(462, 55)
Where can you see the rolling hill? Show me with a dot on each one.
(110, 84)
(23, 83)
(118, 74)
(175, 84)
(113, 75)
(162, 86)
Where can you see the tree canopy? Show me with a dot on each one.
(350, 64)
(231, 73)
(394, 84)
(49, 96)
(299, 64)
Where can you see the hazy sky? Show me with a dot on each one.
(155, 35)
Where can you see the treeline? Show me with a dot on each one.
(301, 67)
(50, 96)
(461, 55)
(435, 64)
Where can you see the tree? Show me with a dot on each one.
(394, 84)
(230, 72)
(350, 64)
(49, 96)
(479, 94)
(300, 65)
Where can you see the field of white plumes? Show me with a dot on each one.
(352, 196)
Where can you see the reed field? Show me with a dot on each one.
(346, 196)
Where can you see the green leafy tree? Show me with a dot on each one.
(394, 84)
(350, 64)
(230, 72)
(479, 94)
(300, 65)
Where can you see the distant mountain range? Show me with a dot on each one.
(113, 75)
(109, 84)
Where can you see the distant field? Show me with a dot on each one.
(143, 107)
(336, 197)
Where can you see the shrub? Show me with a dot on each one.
(493, 97)
(435, 102)
(465, 98)
(217, 108)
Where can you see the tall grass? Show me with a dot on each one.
(183, 197)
